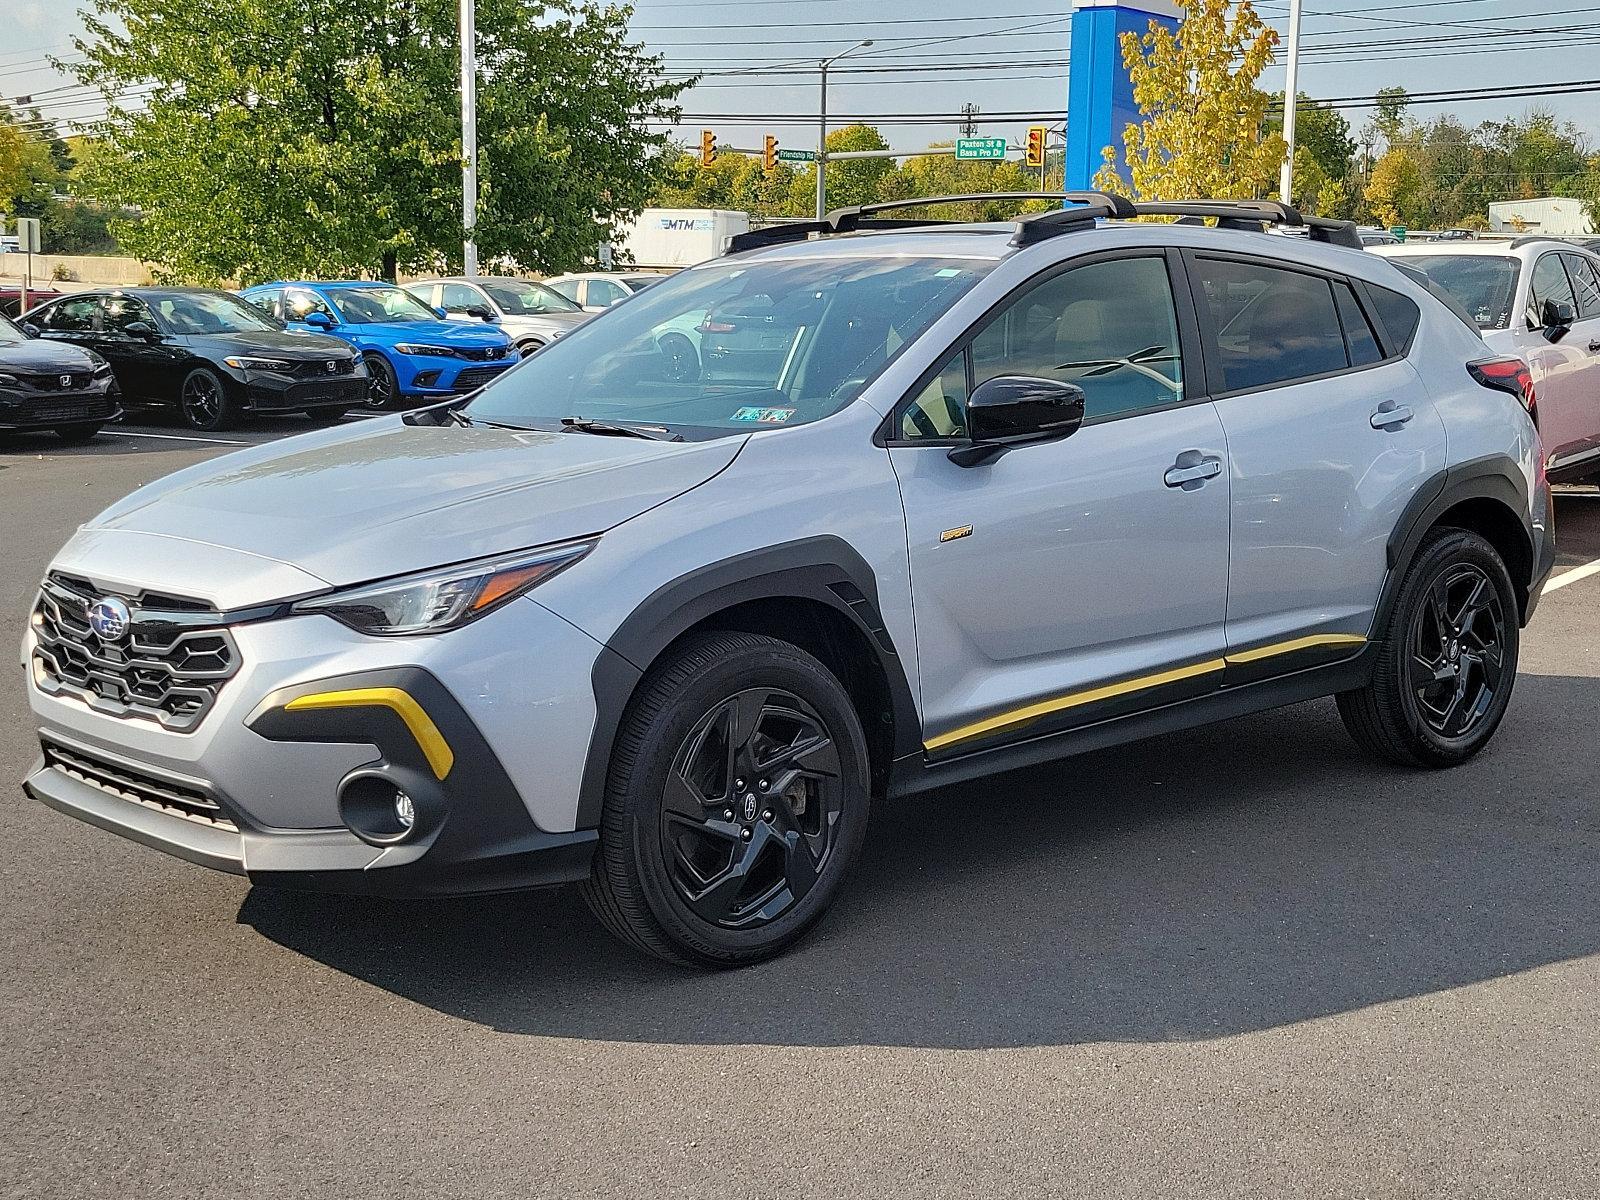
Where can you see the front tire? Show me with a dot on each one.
(383, 389)
(1447, 657)
(737, 801)
(203, 401)
(76, 435)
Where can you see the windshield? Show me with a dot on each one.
(371, 305)
(1485, 285)
(208, 312)
(521, 298)
(10, 335)
(734, 347)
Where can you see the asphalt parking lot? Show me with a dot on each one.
(1240, 961)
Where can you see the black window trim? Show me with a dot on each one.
(1577, 296)
(887, 435)
(1203, 315)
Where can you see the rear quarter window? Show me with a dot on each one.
(1400, 314)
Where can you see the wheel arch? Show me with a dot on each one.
(817, 593)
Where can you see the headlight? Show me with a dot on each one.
(245, 363)
(8, 380)
(433, 601)
(101, 371)
(429, 351)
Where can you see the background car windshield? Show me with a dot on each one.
(369, 306)
(209, 312)
(520, 298)
(10, 334)
(734, 347)
(1485, 285)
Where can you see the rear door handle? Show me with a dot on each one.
(1390, 415)
(1193, 467)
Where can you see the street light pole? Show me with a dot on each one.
(822, 125)
(469, 135)
(1290, 94)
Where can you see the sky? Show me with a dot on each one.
(1004, 56)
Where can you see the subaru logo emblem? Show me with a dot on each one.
(109, 618)
(749, 808)
(66, 381)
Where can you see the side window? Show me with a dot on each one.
(1549, 282)
(73, 316)
(121, 311)
(1400, 316)
(458, 297)
(1586, 283)
(299, 304)
(1110, 327)
(1272, 326)
(940, 409)
(267, 301)
(603, 291)
(1358, 335)
(567, 288)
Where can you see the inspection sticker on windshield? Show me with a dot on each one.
(765, 416)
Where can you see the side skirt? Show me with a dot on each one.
(916, 774)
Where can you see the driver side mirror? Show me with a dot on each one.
(481, 312)
(141, 329)
(1557, 317)
(1016, 410)
(317, 320)
(32, 330)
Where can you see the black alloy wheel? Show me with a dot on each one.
(1458, 651)
(382, 387)
(751, 809)
(203, 401)
(680, 362)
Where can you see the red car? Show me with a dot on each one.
(11, 297)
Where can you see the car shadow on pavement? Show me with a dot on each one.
(1235, 878)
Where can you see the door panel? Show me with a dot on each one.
(1083, 569)
(1560, 369)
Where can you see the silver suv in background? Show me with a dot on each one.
(532, 314)
(1538, 299)
(941, 501)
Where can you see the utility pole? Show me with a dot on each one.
(822, 124)
(469, 135)
(1290, 94)
(969, 119)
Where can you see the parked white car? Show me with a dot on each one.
(596, 291)
(1539, 299)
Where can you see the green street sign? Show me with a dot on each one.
(797, 155)
(980, 147)
(1399, 231)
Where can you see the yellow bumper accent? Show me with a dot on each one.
(434, 748)
(1043, 708)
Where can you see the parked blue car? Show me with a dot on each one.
(412, 353)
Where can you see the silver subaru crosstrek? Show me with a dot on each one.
(938, 501)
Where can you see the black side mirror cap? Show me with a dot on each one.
(1015, 410)
(481, 312)
(140, 329)
(1557, 317)
(29, 328)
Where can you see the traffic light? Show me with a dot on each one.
(769, 156)
(708, 147)
(1035, 153)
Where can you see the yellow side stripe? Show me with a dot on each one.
(434, 748)
(1043, 708)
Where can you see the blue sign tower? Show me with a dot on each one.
(1099, 93)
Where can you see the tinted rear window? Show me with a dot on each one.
(1484, 285)
(1272, 326)
(1399, 314)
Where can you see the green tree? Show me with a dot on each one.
(853, 181)
(1395, 187)
(1320, 131)
(1390, 118)
(946, 175)
(1203, 131)
(278, 139)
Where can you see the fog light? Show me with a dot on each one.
(404, 811)
(376, 809)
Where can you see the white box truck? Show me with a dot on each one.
(680, 237)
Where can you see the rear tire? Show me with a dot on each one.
(76, 435)
(699, 863)
(1447, 657)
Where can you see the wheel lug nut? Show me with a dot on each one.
(744, 835)
(763, 785)
(738, 785)
(766, 814)
(727, 814)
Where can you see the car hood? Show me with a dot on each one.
(280, 343)
(40, 357)
(433, 333)
(384, 497)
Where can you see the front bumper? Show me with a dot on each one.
(268, 392)
(431, 377)
(261, 787)
(23, 411)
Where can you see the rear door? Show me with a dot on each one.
(1330, 433)
(1070, 581)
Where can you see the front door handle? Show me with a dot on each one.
(1594, 345)
(1192, 469)
(1391, 415)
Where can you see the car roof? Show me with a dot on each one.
(1413, 249)
(323, 283)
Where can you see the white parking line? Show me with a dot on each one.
(1572, 576)
(178, 437)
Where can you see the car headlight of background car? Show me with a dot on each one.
(433, 601)
(243, 362)
(428, 351)
(102, 369)
(9, 380)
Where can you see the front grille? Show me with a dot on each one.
(169, 667)
(299, 395)
(89, 408)
(323, 368)
(116, 780)
(76, 381)
(474, 377)
(482, 353)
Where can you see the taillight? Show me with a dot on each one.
(1507, 375)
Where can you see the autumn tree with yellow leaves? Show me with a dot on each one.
(1204, 131)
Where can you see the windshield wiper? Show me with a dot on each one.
(654, 433)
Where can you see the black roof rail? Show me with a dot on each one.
(1088, 206)
(1253, 216)
(1528, 239)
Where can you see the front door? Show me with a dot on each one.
(1330, 438)
(146, 365)
(1066, 582)
(1561, 369)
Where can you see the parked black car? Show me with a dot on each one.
(46, 385)
(209, 353)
